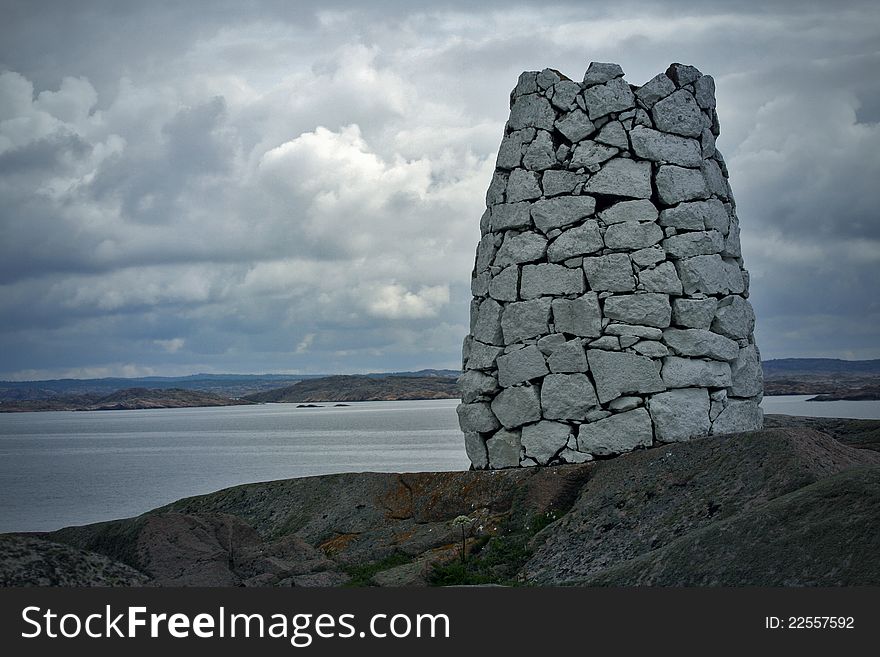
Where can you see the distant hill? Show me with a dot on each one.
(828, 378)
(226, 385)
(362, 388)
(789, 366)
(130, 398)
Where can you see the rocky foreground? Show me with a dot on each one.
(797, 504)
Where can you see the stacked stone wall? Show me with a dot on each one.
(610, 303)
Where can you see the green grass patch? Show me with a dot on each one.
(362, 575)
(496, 559)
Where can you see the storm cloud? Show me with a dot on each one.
(296, 187)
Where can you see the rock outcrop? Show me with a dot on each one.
(610, 305)
(789, 506)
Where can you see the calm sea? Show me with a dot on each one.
(70, 468)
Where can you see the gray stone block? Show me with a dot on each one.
(474, 385)
(525, 319)
(679, 114)
(519, 248)
(475, 448)
(734, 318)
(487, 327)
(680, 414)
(544, 440)
(639, 210)
(618, 373)
(613, 96)
(611, 273)
(567, 396)
(562, 211)
(520, 366)
(517, 406)
(693, 372)
(567, 358)
(687, 245)
(663, 278)
(700, 342)
(503, 449)
(577, 241)
(623, 177)
(476, 417)
(531, 111)
(503, 287)
(619, 433)
(694, 313)
(664, 147)
(676, 184)
(580, 316)
(632, 235)
(649, 309)
(739, 415)
(550, 279)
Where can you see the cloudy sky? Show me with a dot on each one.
(296, 187)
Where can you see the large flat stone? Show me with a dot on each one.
(680, 414)
(520, 366)
(746, 374)
(482, 356)
(562, 211)
(663, 147)
(663, 278)
(700, 342)
(622, 177)
(503, 286)
(676, 184)
(510, 215)
(649, 309)
(693, 372)
(618, 373)
(568, 358)
(697, 215)
(694, 313)
(610, 273)
(516, 406)
(679, 114)
(591, 154)
(739, 415)
(632, 235)
(617, 434)
(544, 440)
(567, 396)
(531, 111)
(654, 89)
(519, 248)
(703, 274)
(475, 448)
(688, 245)
(525, 319)
(734, 318)
(580, 316)
(474, 385)
(575, 126)
(540, 154)
(577, 241)
(503, 449)
(487, 327)
(555, 182)
(550, 279)
(613, 96)
(476, 417)
(522, 185)
(639, 210)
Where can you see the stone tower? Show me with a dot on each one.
(610, 305)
